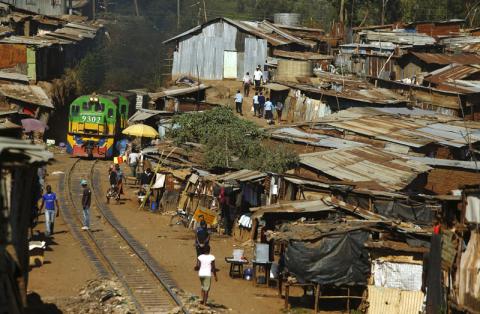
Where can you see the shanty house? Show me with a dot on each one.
(226, 48)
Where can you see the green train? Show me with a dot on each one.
(95, 123)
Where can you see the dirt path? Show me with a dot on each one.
(65, 269)
(173, 248)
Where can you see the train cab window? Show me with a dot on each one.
(99, 106)
(75, 110)
(123, 109)
(86, 106)
(110, 113)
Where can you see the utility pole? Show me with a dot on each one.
(205, 11)
(94, 4)
(178, 15)
(137, 13)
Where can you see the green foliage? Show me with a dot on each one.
(230, 141)
(91, 72)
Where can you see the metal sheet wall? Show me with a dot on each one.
(46, 7)
(202, 54)
(255, 54)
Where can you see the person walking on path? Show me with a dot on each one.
(255, 105)
(49, 200)
(133, 159)
(205, 267)
(269, 111)
(202, 238)
(247, 81)
(279, 108)
(257, 77)
(261, 104)
(238, 102)
(86, 201)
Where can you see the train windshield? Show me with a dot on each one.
(99, 106)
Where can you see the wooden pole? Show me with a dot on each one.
(178, 15)
(93, 8)
(135, 4)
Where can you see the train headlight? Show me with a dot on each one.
(95, 99)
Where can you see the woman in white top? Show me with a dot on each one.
(205, 267)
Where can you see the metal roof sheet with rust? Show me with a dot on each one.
(274, 35)
(243, 175)
(444, 59)
(31, 94)
(451, 72)
(366, 164)
(415, 130)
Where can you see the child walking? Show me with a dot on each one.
(205, 267)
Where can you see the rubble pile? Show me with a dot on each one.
(101, 296)
(192, 305)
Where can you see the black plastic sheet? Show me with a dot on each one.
(339, 259)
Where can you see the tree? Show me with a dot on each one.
(230, 142)
(91, 72)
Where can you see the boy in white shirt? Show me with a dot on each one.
(257, 77)
(205, 267)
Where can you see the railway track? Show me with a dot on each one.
(111, 248)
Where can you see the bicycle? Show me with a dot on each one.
(113, 192)
(181, 217)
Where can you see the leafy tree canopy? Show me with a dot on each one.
(231, 141)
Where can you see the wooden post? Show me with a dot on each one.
(287, 293)
(317, 296)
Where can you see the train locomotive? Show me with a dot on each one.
(96, 123)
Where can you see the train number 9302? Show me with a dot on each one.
(91, 119)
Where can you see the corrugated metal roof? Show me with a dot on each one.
(399, 37)
(444, 59)
(371, 96)
(416, 131)
(393, 301)
(299, 136)
(175, 91)
(265, 30)
(243, 175)
(471, 165)
(11, 148)
(292, 207)
(144, 114)
(364, 164)
(451, 72)
(13, 77)
(31, 94)
(296, 55)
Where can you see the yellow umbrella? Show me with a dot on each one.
(140, 130)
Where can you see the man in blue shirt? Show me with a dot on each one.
(261, 104)
(238, 102)
(49, 200)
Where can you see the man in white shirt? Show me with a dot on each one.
(247, 81)
(205, 267)
(268, 107)
(257, 76)
(133, 159)
(238, 102)
(256, 103)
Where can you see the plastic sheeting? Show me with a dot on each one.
(333, 260)
(412, 211)
(472, 212)
(397, 275)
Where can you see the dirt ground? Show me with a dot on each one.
(173, 248)
(66, 268)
